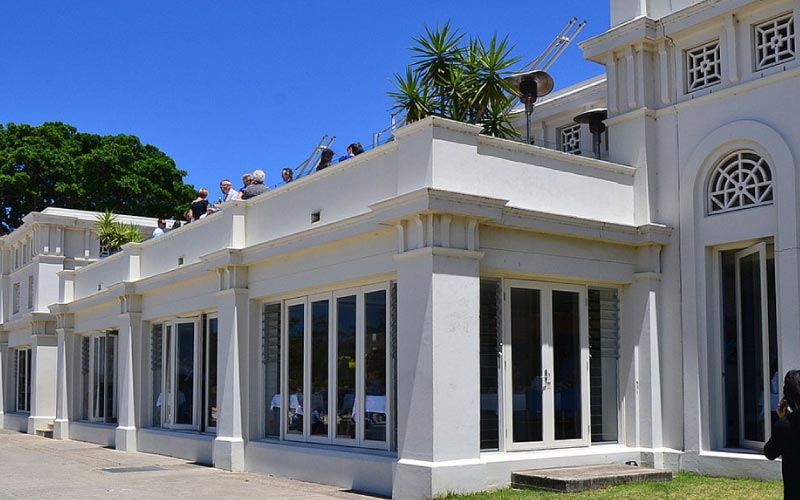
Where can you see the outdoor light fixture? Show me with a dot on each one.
(594, 117)
(530, 86)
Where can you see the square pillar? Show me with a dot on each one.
(3, 379)
(438, 372)
(130, 335)
(232, 375)
(63, 381)
(44, 355)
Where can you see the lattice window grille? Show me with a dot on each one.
(742, 180)
(703, 66)
(774, 41)
(15, 298)
(570, 139)
(31, 292)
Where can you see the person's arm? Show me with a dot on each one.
(780, 435)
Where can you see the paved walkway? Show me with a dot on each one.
(36, 467)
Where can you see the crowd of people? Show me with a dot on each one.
(252, 186)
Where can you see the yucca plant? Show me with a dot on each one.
(112, 234)
(457, 80)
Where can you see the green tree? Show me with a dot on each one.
(55, 165)
(460, 80)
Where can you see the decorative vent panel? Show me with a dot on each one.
(703, 67)
(741, 180)
(774, 41)
(570, 139)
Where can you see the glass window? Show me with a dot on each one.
(347, 355)
(272, 367)
(156, 371)
(319, 368)
(184, 373)
(101, 377)
(23, 378)
(489, 331)
(211, 347)
(375, 366)
(346, 364)
(603, 364)
(295, 354)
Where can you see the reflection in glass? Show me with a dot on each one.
(211, 370)
(272, 370)
(169, 382)
(751, 353)
(156, 341)
(345, 366)
(526, 364)
(566, 364)
(375, 366)
(319, 368)
(99, 379)
(184, 363)
(296, 330)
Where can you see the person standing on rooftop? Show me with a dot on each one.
(354, 149)
(256, 187)
(325, 159)
(228, 193)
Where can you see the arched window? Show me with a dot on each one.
(741, 180)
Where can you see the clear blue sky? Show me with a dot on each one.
(227, 87)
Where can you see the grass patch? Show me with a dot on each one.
(684, 486)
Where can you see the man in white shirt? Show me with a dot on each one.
(159, 231)
(228, 193)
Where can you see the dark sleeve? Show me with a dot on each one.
(780, 435)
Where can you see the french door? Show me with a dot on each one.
(753, 336)
(546, 366)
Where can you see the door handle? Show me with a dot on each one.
(546, 379)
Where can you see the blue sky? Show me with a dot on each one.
(227, 87)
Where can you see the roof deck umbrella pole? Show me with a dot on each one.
(530, 86)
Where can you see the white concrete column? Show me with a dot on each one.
(641, 377)
(130, 334)
(61, 423)
(3, 359)
(438, 303)
(44, 355)
(232, 366)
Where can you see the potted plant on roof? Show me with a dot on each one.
(112, 234)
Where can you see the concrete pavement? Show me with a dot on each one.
(36, 467)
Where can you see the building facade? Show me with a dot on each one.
(448, 308)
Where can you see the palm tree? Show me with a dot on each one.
(113, 234)
(464, 82)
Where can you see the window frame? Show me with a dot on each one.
(332, 407)
(110, 367)
(26, 354)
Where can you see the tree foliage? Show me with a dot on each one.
(460, 79)
(55, 165)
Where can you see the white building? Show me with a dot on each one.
(438, 312)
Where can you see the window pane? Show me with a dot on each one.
(751, 353)
(345, 366)
(296, 329)
(603, 361)
(319, 368)
(489, 317)
(211, 373)
(526, 364)
(375, 366)
(85, 380)
(98, 386)
(156, 360)
(566, 364)
(184, 371)
(272, 369)
(110, 411)
(169, 379)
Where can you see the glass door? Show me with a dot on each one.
(546, 377)
(752, 315)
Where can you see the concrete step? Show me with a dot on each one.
(48, 433)
(572, 479)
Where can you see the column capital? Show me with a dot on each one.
(438, 230)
